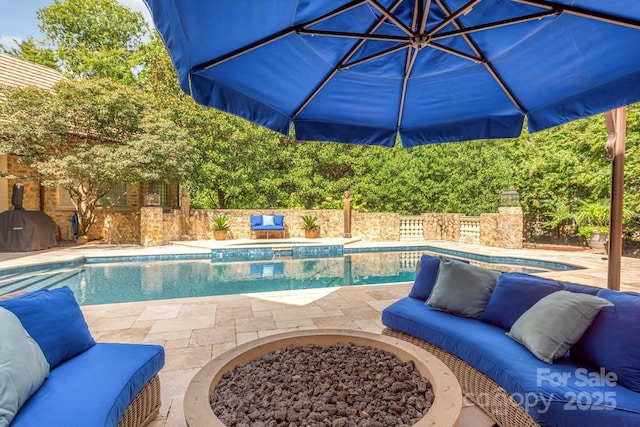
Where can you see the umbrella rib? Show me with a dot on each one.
(453, 16)
(243, 50)
(276, 36)
(483, 59)
(425, 16)
(497, 24)
(586, 13)
(405, 83)
(455, 52)
(343, 34)
(391, 17)
(335, 12)
(344, 59)
(416, 7)
(375, 55)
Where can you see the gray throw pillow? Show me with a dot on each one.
(23, 367)
(462, 289)
(556, 322)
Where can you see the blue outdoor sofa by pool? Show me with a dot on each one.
(267, 224)
(53, 373)
(498, 332)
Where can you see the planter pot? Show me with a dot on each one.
(220, 235)
(310, 234)
(598, 240)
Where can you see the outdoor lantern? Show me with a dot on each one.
(509, 198)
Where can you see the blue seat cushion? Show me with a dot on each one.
(514, 294)
(101, 382)
(549, 393)
(54, 319)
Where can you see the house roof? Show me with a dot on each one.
(17, 72)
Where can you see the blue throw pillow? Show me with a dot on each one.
(426, 277)
(514, 294)
(278, 220)
(54, 320)
(256, 220)
(612, 341)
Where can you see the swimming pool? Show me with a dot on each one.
(126, 279)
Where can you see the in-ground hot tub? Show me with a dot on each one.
(444, 411)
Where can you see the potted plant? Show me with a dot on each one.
(220, 227)
(310, 226)
(592, 220)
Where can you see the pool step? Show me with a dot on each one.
(44, 279)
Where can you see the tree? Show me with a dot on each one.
(87, 136)
(86, 39)
(32, 50)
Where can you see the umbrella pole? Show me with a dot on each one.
(617, 191)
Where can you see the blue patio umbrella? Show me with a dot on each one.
(430, 71)
(418, 71)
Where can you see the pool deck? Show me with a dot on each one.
(194, 330)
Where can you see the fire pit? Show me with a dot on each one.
(444, 411)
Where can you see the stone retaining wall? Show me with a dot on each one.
(502, 229)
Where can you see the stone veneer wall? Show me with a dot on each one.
(375, 226)
(442, 226)
(502, 229)
(122, 228)
(329, 221)
(151, 226)
(31, 195)
(172, 229)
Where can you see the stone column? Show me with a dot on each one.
(510, 224)
(151, 226)
(185, 208)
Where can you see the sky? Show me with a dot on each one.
(18, 18)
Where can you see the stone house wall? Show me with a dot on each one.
(117, 225)
(31, 195)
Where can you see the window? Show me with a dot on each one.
(117, 197)
(64, 199)
(162, 189)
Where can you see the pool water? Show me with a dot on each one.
(114, 282)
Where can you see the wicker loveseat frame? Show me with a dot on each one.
(476, 387)
(144, 407)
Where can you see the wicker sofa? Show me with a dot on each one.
(595, 381)
(77, 382)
